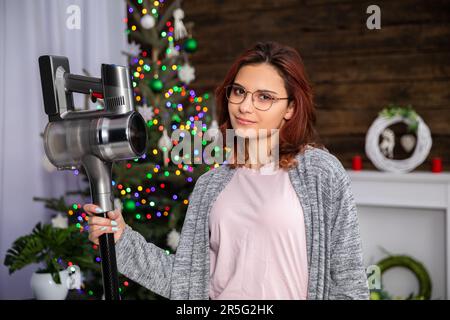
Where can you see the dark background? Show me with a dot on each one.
(355, 72)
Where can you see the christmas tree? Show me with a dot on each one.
(153, 191)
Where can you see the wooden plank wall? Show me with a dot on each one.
(355, 72)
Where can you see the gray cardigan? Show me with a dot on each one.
(334, 251)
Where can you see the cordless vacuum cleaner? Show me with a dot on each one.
(92, 138)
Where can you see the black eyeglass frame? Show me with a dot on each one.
(273, 99)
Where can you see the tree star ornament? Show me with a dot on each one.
(134, 49)
(147, 21)
(179, 28)
(60, 222)
(146, 112)
(186, 73)
(165, 144)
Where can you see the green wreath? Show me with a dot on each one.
(415, 267)
(406, 113)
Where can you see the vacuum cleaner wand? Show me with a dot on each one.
(93, 139)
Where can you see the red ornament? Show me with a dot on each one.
(436, 165)
(357, 163)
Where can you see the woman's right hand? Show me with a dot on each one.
(99, 225)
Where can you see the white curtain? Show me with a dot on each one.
(28, 29)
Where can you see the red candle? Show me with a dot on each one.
(357, 163)
(436, 165)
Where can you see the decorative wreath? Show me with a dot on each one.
(415, 267)
(386, 118)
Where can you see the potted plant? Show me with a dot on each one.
(57, 248)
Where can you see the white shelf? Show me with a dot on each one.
(423, 177)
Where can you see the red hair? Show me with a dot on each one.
(297, 132)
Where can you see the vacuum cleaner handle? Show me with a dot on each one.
(99, 173)
(109, 265)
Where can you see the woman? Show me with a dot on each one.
(286, 228)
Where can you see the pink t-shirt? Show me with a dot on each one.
(257, 238)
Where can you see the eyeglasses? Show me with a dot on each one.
(262, 101)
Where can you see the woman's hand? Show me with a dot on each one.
(99, 225)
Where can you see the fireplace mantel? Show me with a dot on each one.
(422, 190)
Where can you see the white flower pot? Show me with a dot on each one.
(44, 288)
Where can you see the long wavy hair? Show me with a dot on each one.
(296, 133)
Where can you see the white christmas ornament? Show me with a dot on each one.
(179, 28)
(172, 51)
(147, 21)
(214, 130)
(186, 73)
(73, 280)
(214, 125)
(60, 222)
(165, 144)
(146, 112)
(213, 134)
(134, 49)
(173, 238)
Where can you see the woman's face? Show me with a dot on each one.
(244, 116)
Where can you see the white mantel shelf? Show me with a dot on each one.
(425, 190)
(415, 189)
(420, 176)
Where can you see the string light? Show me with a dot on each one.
(185, 107)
